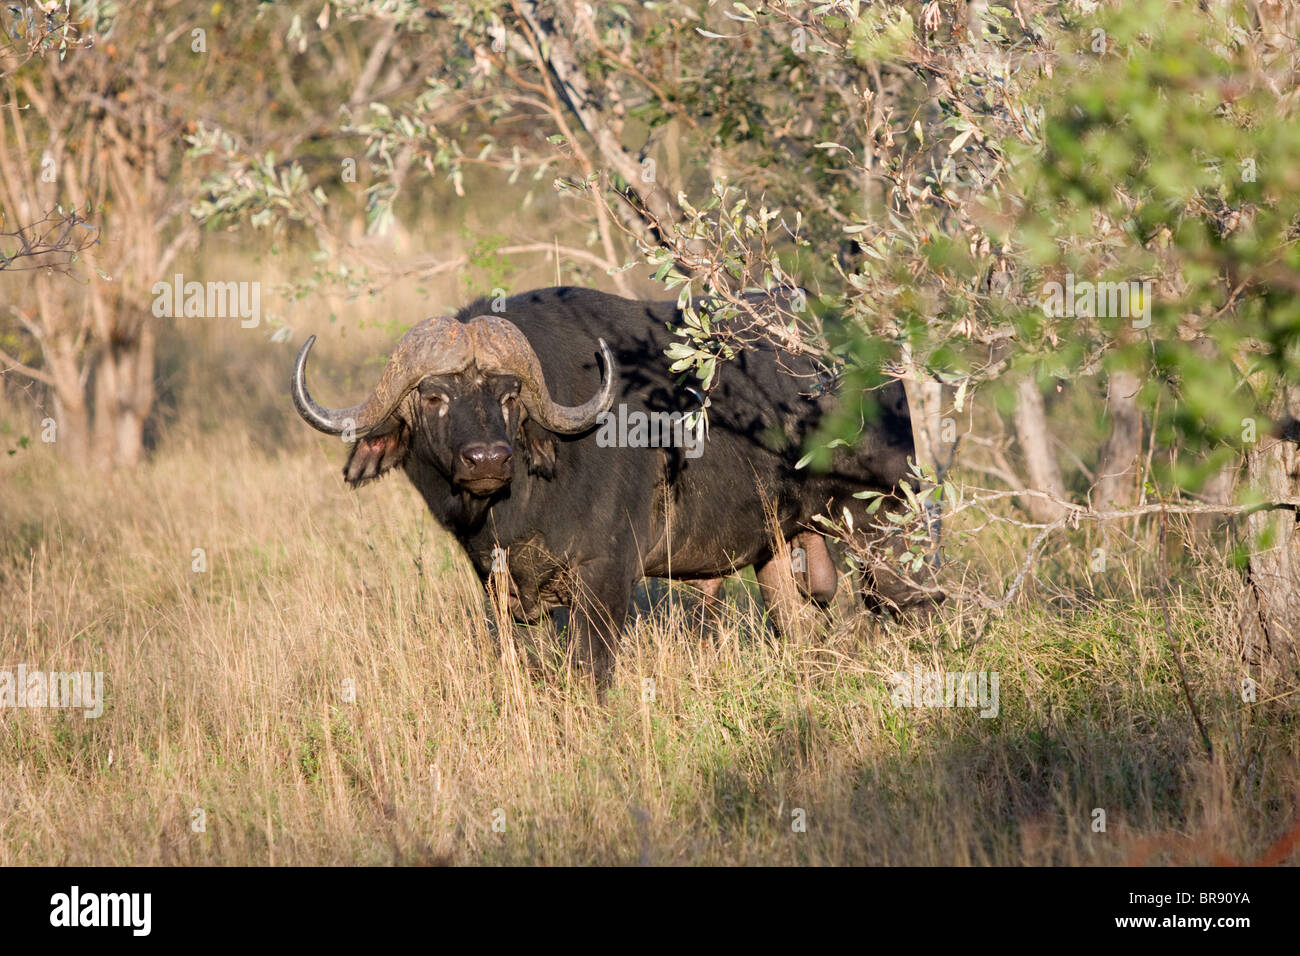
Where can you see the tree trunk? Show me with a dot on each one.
(123, 397)
(924, 398)
(1218, 490)
(61, 351)
(72, 426)
(925, 406)
(1220, 487)
(1269, 603)
(1035, 443)
(1117, 468)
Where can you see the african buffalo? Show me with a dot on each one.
(514, 426)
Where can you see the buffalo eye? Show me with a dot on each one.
(508, 402)
(438, 400)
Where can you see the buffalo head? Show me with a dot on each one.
(456, 395)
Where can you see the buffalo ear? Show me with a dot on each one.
(373, 455)
(541, 453)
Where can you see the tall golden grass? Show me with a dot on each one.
(229, 690)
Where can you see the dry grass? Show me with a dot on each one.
(226, 693)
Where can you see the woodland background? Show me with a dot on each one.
(308, 673)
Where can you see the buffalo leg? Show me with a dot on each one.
(710, 610)
(710, 588)
(776, 583)
(602, 596)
